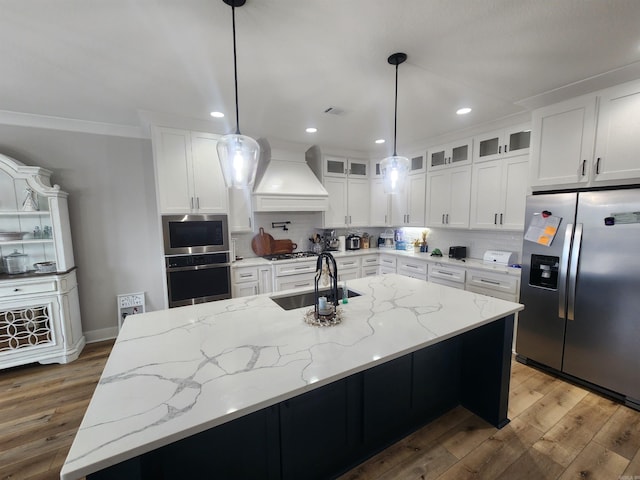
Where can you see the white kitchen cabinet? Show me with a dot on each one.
(380, 205)
(411, 267)
(408, 207)
(240, 214)
(349, 268)
(498, 194)
(188, 174)
(617, 135)
(369, 265)
(348, 202)
(454, 154)
(493, 284)
(388, 264)
(447, 275)
(502, 143)
(588, 141)
(343, 167)
(448, 196)
(562, 143)
(253, 280)
(417, 164)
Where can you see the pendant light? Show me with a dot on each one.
(395, 168)
(238, 153)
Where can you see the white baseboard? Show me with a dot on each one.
(92, 336)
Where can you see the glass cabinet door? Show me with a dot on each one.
(335, 166)
(359, 168)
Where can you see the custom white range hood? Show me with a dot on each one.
(287, 184)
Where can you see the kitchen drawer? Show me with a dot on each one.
(306, 280)
(27, 288)
(413, 266)
(295, 268)
(369, 270)
(247, 274)
(347, 263)
(368, 260)
(388, 261)
(384, 270)
(451, 274)
(492, 282)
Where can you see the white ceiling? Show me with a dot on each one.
(108, 60)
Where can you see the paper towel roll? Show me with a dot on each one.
(342, 243)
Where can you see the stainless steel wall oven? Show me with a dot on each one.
(197, 259)
(195, 279)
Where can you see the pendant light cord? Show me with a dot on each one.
(235, 67)
(395, 116)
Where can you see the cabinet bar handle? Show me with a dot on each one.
(500, 149)
(495, 218)
(501, 219)
(250, 223)
(443, 218)
(198, 203)
(349, 219)
(482, 280)
(301, 268)
(506, 149)
(244, 275)
(598, 166)
(447, 219)
(445, 273)
(584, 165)
(345, 220)
(301, 285)
(191, 203)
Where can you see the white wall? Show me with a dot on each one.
(114, 220)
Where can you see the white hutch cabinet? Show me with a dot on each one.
(39, 312)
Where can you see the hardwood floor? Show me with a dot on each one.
(41, 407)
(557, 430)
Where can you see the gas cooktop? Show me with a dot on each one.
(289, 256)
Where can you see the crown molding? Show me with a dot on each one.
(69, 124)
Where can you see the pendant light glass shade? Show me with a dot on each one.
(238, 154)
(239, 157)
(395, 168)
(394, 171)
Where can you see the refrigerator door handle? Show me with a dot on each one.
(562, 272)
(573, 271)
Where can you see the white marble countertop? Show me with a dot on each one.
(474, 263)
(174, 373)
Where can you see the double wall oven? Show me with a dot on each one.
(197, 258)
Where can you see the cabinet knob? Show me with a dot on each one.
(16, 289)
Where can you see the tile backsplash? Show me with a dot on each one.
(304, 224)
(476, 241)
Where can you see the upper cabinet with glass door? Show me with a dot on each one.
(342, 167)
(454, 154)
(503, 143)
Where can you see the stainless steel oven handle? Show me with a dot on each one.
(197, 267)
(573, 272)
(562, 273)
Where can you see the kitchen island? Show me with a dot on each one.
(241, 388)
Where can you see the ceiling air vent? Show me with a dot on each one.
(334, 111)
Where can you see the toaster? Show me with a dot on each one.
(458, 252)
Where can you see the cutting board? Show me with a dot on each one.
(262, 243)
(283, 246)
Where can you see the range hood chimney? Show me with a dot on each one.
(285, 183)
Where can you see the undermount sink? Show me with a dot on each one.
(306, 299)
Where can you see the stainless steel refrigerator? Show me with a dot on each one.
(582, 291)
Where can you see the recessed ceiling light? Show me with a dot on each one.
(217, 114)
(311, 130)
(380, 140)
(463, 111)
